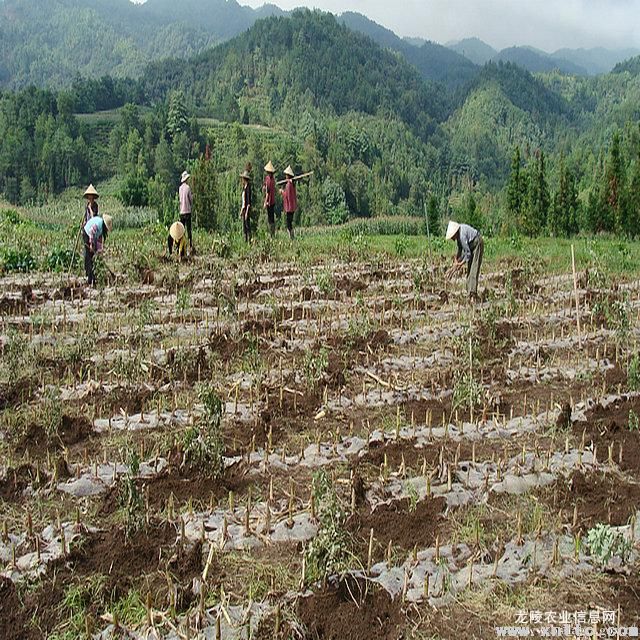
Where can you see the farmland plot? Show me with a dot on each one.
(327, 451)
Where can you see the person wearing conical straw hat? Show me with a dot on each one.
(186, 204)
(91, 210)
(177, 238)
(470, 252)
(290, 199)
(94, 234)
(245, 205)
(269, 190)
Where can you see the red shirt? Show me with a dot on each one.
(269, 190)
(290, 197)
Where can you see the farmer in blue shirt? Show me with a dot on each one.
(94, 233)
(470, 250)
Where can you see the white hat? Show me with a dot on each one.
(452, 229)
(176, 231)
(108, 222)
(269, 168)
(184, 177)
(289, 172)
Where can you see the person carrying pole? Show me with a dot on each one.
(290, 199)
(177, 238)
(245, 206)
(94, 233)
(186, 204)
(269, 190)
(470, 251)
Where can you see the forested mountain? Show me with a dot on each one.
(538, 61)
(434, 61)
(49, 42)
(474, 49)
(285, 65)
(597, 60)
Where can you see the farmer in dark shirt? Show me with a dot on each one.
(245, 208)
(470, 250)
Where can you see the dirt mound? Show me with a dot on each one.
(615, 425)
(194, 485)
(399, 524)
(351, 610)
(258, 327)
(598, 498)
(74, 430)
(17, 481)
(13, 394)
(15, 622)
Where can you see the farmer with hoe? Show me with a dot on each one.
(290, 198)
(269, 190)
(186, 203)
(177, 238)
(470, 250)
(94, 233)
(245, 206)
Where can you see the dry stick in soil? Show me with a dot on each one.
(575, 292)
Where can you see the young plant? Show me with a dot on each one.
(129, 497)
(467, 392)
(315, 366)
(329, 553)
(634, 421)
(605, 543)
(203, 445)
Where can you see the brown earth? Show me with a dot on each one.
(17, 481)
(610, 425)
(600, 498)
(398, 524)
(351, 610)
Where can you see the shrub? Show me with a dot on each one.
(605, 543)
(135, 192)
(20, 260)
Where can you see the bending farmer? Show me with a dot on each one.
(177, 238)
(470, 250)
(94, 234)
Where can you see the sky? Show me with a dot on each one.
(546, 24)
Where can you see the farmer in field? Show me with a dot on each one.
(91, 209)
(186, 204)
(94, 233)
(470, 250)
(269, 190)
(290, 198)
(177, 238)
(245, 205)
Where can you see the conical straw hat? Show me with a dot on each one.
(91, 191)
(185, 176)
(108, 222)
(269, 168)
(452, 229)
(289, 171)
(176, 231)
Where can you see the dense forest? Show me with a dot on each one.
(545, 153)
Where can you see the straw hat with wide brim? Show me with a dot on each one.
(289, 171)
(176, 231)
(269, 168)
(108, 222)
(185, 176)
(246, 175)
(452, 229)
(91, 191)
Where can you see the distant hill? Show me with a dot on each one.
(632, 66)
(474, 49)
(537, 61)
(435, 62)
(49, 42)
(597, 60)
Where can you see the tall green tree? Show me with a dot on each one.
(563, 214)
(515, 187)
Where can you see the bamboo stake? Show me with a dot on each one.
(575, 291)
